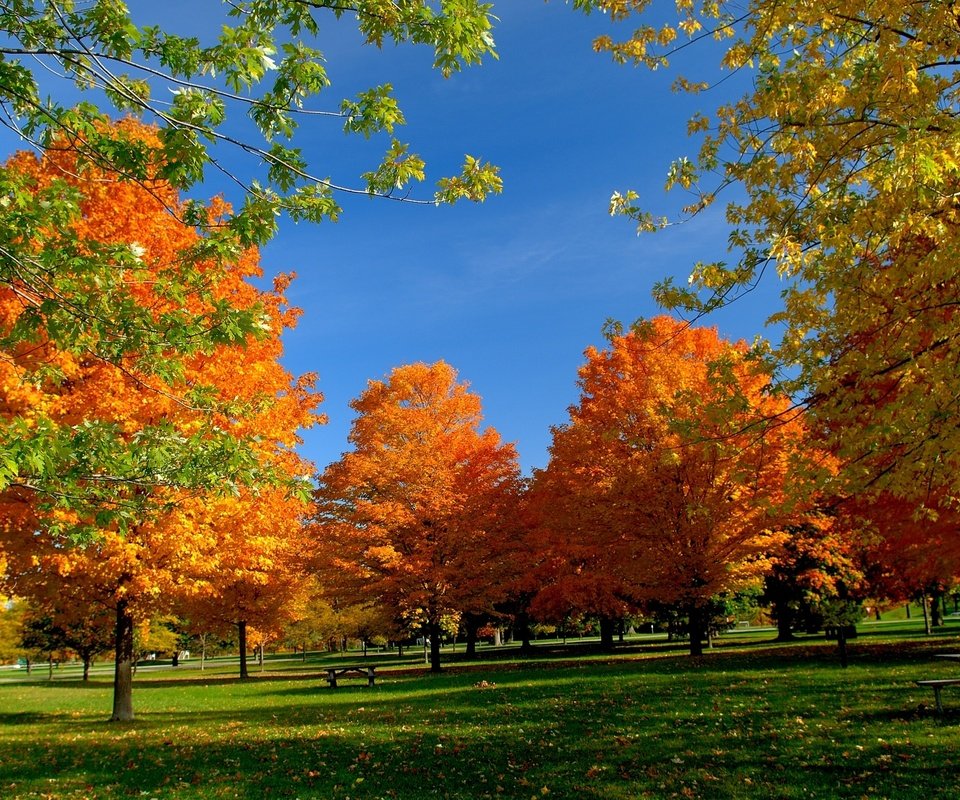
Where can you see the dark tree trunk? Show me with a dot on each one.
(621, 630)
(86, 667)
(123, 664)
(521, 628)
(435, 645)
(696, 626)
(606, 633)
(175, 661)
(926, 615)
(242, 635)
(907, 608)
(784, 625)
(472, 624)
(303, 655)
(936, 610)
(399, 649)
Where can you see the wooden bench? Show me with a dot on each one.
(333, 673)
(937, 685)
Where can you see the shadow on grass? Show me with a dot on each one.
(589, 740)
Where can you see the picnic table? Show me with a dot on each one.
(938, 684)
(368, 672)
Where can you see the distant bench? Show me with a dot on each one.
(937, 685)
(370, 673)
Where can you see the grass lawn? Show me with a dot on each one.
(746, 721)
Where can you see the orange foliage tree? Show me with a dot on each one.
(414, 516)
(912, 553)
(253, 574)
(233, 400)
(664, 485)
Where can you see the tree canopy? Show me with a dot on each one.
(846, 144)
(414, 516)
(87, 290)
(667, 483)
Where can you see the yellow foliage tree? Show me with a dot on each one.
(847, 144)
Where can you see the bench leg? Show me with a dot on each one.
(332, 682)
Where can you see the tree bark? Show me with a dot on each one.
(86, 668)
(926, 615)
(242, 635)
(123, 664)
(434, 645)
(471, 624)
(936, 612)
(696, 628)
(606, 633)
(521, 627)
(784, 628)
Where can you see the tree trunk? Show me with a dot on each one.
(203, 651)
(606, 633)
(303, 655)
(842, 644)
(50, 668)
(521, 627)
(472, 625)
(926, 615)
(784, 626)
(497, 637)
(621, 630)
(696, 627)
(86, 667)
(907, 608)
(242, 634)
(434, 645)
(936, 613)
(123, 664)
(175, 661)
(399, 649)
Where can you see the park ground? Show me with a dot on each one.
(751, 719)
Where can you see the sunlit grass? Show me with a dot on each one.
(746, 721)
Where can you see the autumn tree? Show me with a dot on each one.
(665, 484)
(818, 562)
(81, 293)
(910, 555)
(844, 145)
(253, 572)
(232, 410)
(12, 613)
(414, 515)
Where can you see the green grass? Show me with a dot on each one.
(747, 721)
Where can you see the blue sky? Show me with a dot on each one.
(511, 291)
